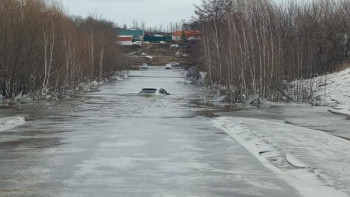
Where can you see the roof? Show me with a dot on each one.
(157, 39)
(131, 32)
(187, 33)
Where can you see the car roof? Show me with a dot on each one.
(151, 88)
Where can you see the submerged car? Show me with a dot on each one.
(144, 66)
(153, 92)
(168, 66)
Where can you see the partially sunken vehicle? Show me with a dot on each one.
(153, 92)
(144, 66)
(168, 66)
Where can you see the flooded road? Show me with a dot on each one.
(112, 142)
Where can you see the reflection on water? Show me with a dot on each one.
(30, 143)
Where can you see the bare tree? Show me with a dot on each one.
(45, 52)
(254, 46)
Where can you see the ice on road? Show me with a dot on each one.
(314, 162)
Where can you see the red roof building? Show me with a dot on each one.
(190, 35)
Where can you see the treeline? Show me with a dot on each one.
(171, 27)
(43, 51)
(256, 47)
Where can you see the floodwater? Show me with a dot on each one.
(111, 142)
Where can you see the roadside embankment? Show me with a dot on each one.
(306, 144)
(312, 161)
(334, 91)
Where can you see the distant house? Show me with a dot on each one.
(136, 34)
(125, 40)
(190, 35)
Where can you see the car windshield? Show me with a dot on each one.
(149, 90)
(162, 91)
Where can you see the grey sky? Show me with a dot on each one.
(152, 12)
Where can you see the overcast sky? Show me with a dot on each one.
(152, 12)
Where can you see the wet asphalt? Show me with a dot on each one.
(111, 142)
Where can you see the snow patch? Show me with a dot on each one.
(221, 99)
(122, 75)
(11, 122)
(313, 162)
(295, 162)
(331, 90)
(86, 87)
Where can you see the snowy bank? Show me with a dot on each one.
(93, 85)
(338, 91)
(11, 122)
(68, 92)
(315, 163)
(333, 90)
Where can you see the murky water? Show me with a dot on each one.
(112, 142)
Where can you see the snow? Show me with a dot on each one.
(86, 87)
(122, 75)
(203, 74)
(149, 57)
(314, 162)
(221, 99)
(11, 122)
(334, 90)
